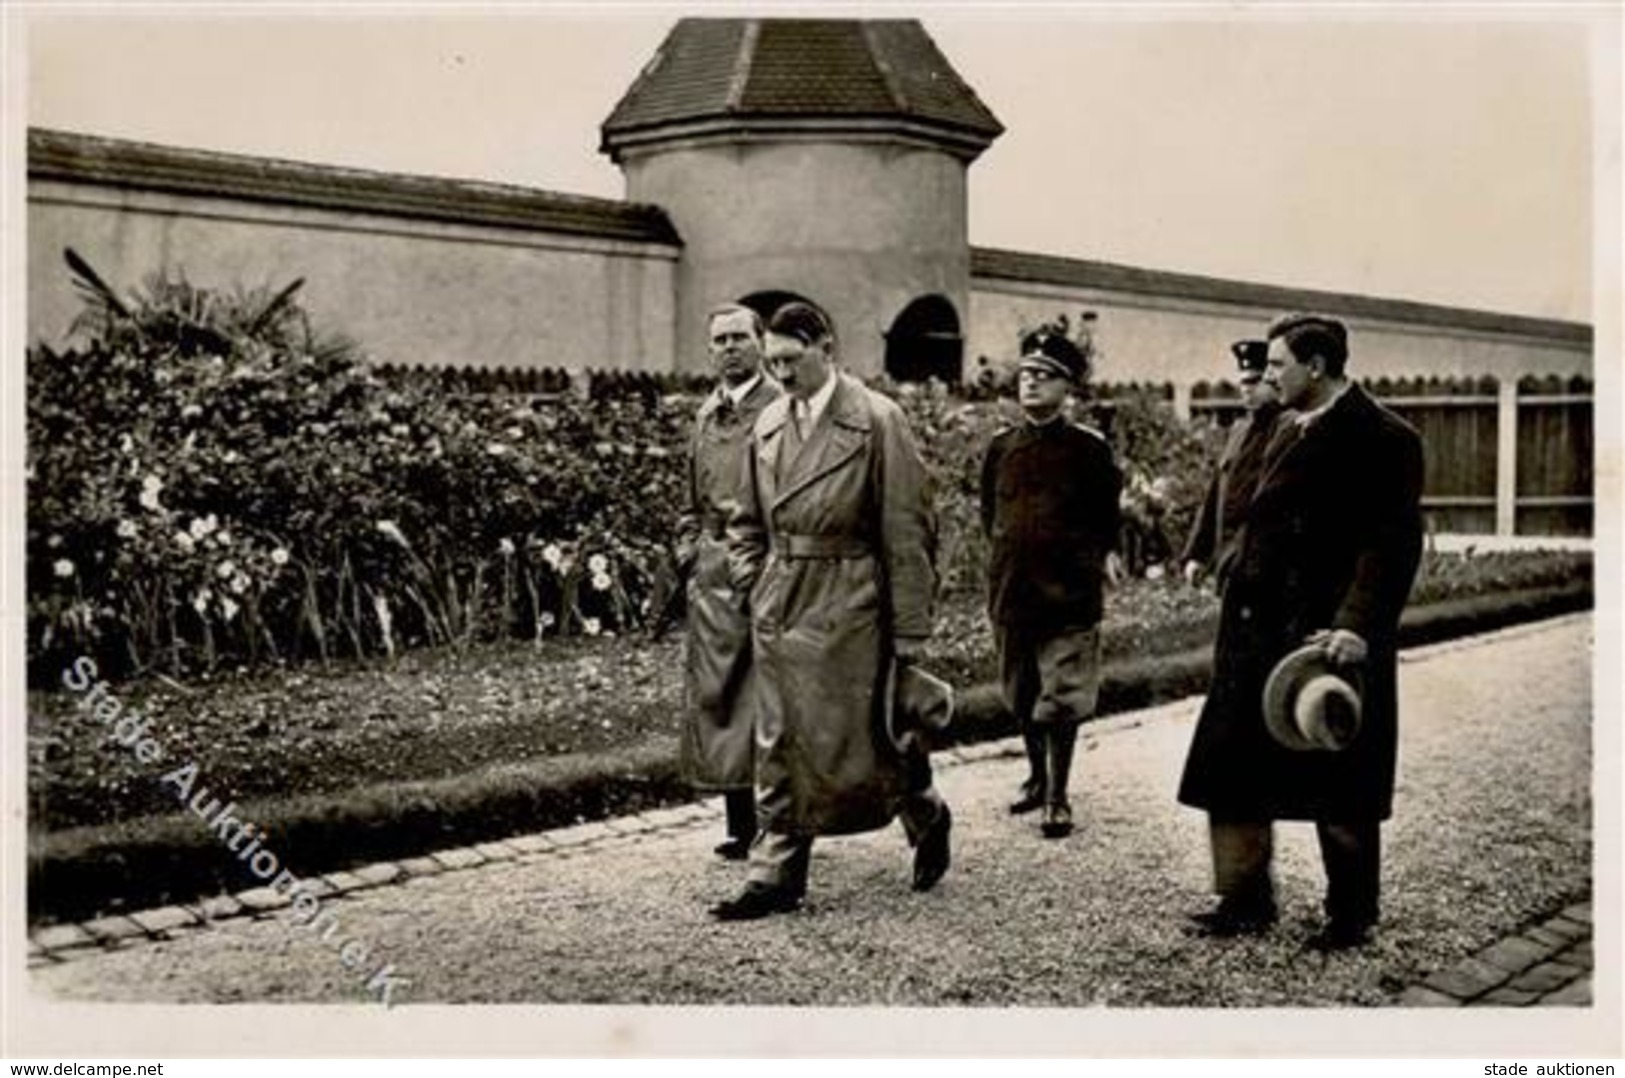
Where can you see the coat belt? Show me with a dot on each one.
(821, 546)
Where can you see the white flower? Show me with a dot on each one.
(547, 619)
(600, 581)
(149, 499)
(391, 530)
(506, 547)
(228, 608)
(53, 542)
(198, 528)
(223, 538)
(399, 430)
(63, 567)
(598, 564)
(497, 449)
(226, 569)
(590, 626)
(553, 556)
(200, 601)
(279, 556)
(1154, 572)
(152, 483)
(184, 541)
(211, 522)
(126, 529)
(191, 411)
(126, 444)
(239, 583)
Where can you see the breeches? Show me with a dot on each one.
(1050, 677)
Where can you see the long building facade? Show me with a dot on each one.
(764, 159)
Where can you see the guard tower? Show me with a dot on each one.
(818, 158)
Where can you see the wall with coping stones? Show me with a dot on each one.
(410, 291)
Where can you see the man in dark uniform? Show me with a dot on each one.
(1050, 509)
(718, 736)
(1214, 537)
(1330, 548)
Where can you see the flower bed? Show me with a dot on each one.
(211, 485)
(443, 712)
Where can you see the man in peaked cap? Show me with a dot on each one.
(1049, 501)
(1214, 535)
(834, 539)
(718, 742)
(1330, 547)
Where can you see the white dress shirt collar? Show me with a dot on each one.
(737, 394)
(818, 402)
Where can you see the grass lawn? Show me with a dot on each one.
(442, 713)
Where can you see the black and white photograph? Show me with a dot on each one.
(790, 530)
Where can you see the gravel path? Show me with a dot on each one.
(1492, 828)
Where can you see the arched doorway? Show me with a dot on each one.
(765, 303)
(924, 342)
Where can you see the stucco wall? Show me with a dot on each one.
(1166, 339)
(861, 228)
(410, 291)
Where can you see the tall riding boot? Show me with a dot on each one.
(1032, 791)
(1060, 739)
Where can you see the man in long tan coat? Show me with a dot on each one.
(718, 746)
(835, 539)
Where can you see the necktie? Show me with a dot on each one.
(790, 446)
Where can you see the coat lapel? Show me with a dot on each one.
(1294, 447)
(841, 434)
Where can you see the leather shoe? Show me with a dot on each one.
(755, 902)
(735, 849)
(1339, 936)
(1057, 821)
(1031, 799)
(1228, 920)
(932, 855)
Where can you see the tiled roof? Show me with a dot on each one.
(754, 69)
(62, 155)
(989, 262)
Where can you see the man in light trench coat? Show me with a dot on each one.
(835, 538)
(718, 745)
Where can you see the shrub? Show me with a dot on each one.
(210, 481)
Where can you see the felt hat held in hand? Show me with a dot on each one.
(1310, 704)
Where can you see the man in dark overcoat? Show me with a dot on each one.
(1214, 536)
(718, 743)
(1327, 555)
(835, 540)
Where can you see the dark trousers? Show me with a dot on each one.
(781, 860)
(1350, 852)
(740, 806)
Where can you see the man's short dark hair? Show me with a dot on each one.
(724, 309)
(1310, 335)
(804, 321)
